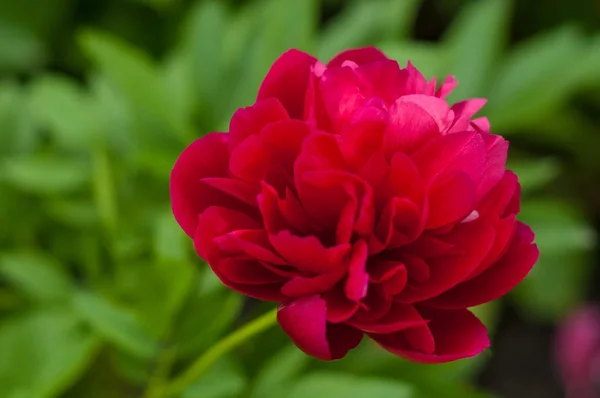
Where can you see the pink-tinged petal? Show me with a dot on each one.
(358, 279)
(481, 125)
(239, 189)
(250, 120)
(339, 307)
(399, 317)
(453, 152)
(451, 198)
(218, 221)
(205, 157)
(254, 243)
(437, 108)
(308, 253)
(446, 87)
(385, 80)
(498, 280)
(315, 112)
(287, 80)
(457, 335)
(342, 93)
(301, 286)
(495, 164)
(244, 271)
(359, 56)
(249, 160)
(474, 240)
(464, 111)
(304, 320)
(410, 125)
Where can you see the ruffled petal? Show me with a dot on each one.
(250, 120)
(304, 320)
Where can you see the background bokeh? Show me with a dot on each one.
(101, 294)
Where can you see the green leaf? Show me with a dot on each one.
(223, 380)
(36, 275)
(332, 385)
(192, 333)
(45, 174)
(170, 242)
(277, 373)
(363, 22)
(76, 213)
(67, 111)
(43, 353)
(535, 174)
(19, 48)
(535, 79)
(473, 45)
(426, 57)
(115, 324)
(565, 240)
(134, 75)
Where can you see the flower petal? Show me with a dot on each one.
(399, 317)
(205, 157)
(304, 320)
(359, 56)
(498, 280)
(287, 80)
(456, 335)
(451, 198)
(250, 120)
(358, 279)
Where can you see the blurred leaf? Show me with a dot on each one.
(19, 48)
(535, 174)
(428, 58)
(114, 323)
(588, 67)
(223, 380)
(363, 22)
(104, 189)
(535, 79)
(332, 385)
(76, 213)
(278, 372)
(67, 111)
(473, 45)
(43, 353)
(45, 174)
(203, 39)
(135, 75)
(192, 333)
(36, 275)
(564, 239)
(170, 242)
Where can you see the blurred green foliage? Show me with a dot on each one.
(101, 294)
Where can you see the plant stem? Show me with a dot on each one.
(222, 347)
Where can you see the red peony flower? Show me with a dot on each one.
(353, 195)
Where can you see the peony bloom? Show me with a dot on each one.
(578, 352)
(353, 195)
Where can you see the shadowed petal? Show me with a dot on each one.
(456, 335)
(304, 320)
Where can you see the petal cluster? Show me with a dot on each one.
(355, 196)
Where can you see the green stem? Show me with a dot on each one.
(205, 361)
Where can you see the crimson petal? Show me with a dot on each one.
(359, 56)
(497, 280)
(287, 80)
(304, 320)
(457, 334)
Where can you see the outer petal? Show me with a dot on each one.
(499, 279)
(456, 335)
(304, 320)
(359, 56)
(205, 157)
(287, 80)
